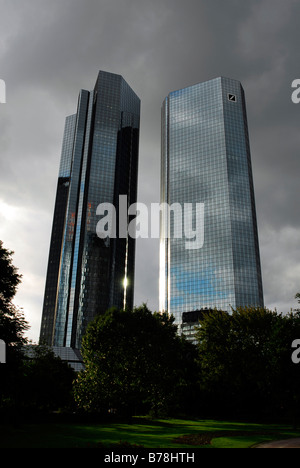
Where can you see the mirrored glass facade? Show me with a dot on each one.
(99, 162)
(206, 160)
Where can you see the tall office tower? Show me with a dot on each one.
(88, 274)
(209, 252)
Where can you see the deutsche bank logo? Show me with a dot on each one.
(231, 97)
(2, 352)
(2, 92)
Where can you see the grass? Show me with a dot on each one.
(169, 433)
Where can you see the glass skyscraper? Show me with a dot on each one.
(99, 162)
(209, 251)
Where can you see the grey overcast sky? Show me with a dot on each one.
(49, 50)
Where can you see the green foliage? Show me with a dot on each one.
(245, 361)
(9, 278)
(152, 434)
(241, 366)
(133, 360)
(40, 384)
(12, 328)
(12, 321)
(47, 381)
(43, 382)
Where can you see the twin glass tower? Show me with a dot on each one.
(205, 161)
(87, 274)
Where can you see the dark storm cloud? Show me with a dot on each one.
(50, 50)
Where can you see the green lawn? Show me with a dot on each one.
(149, 433)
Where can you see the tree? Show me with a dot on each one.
(42, 382)
(297, 296)
(9, 278)
(12, 321)
(134, 361)
(12, 328)
(245, 361)
(47, 381)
